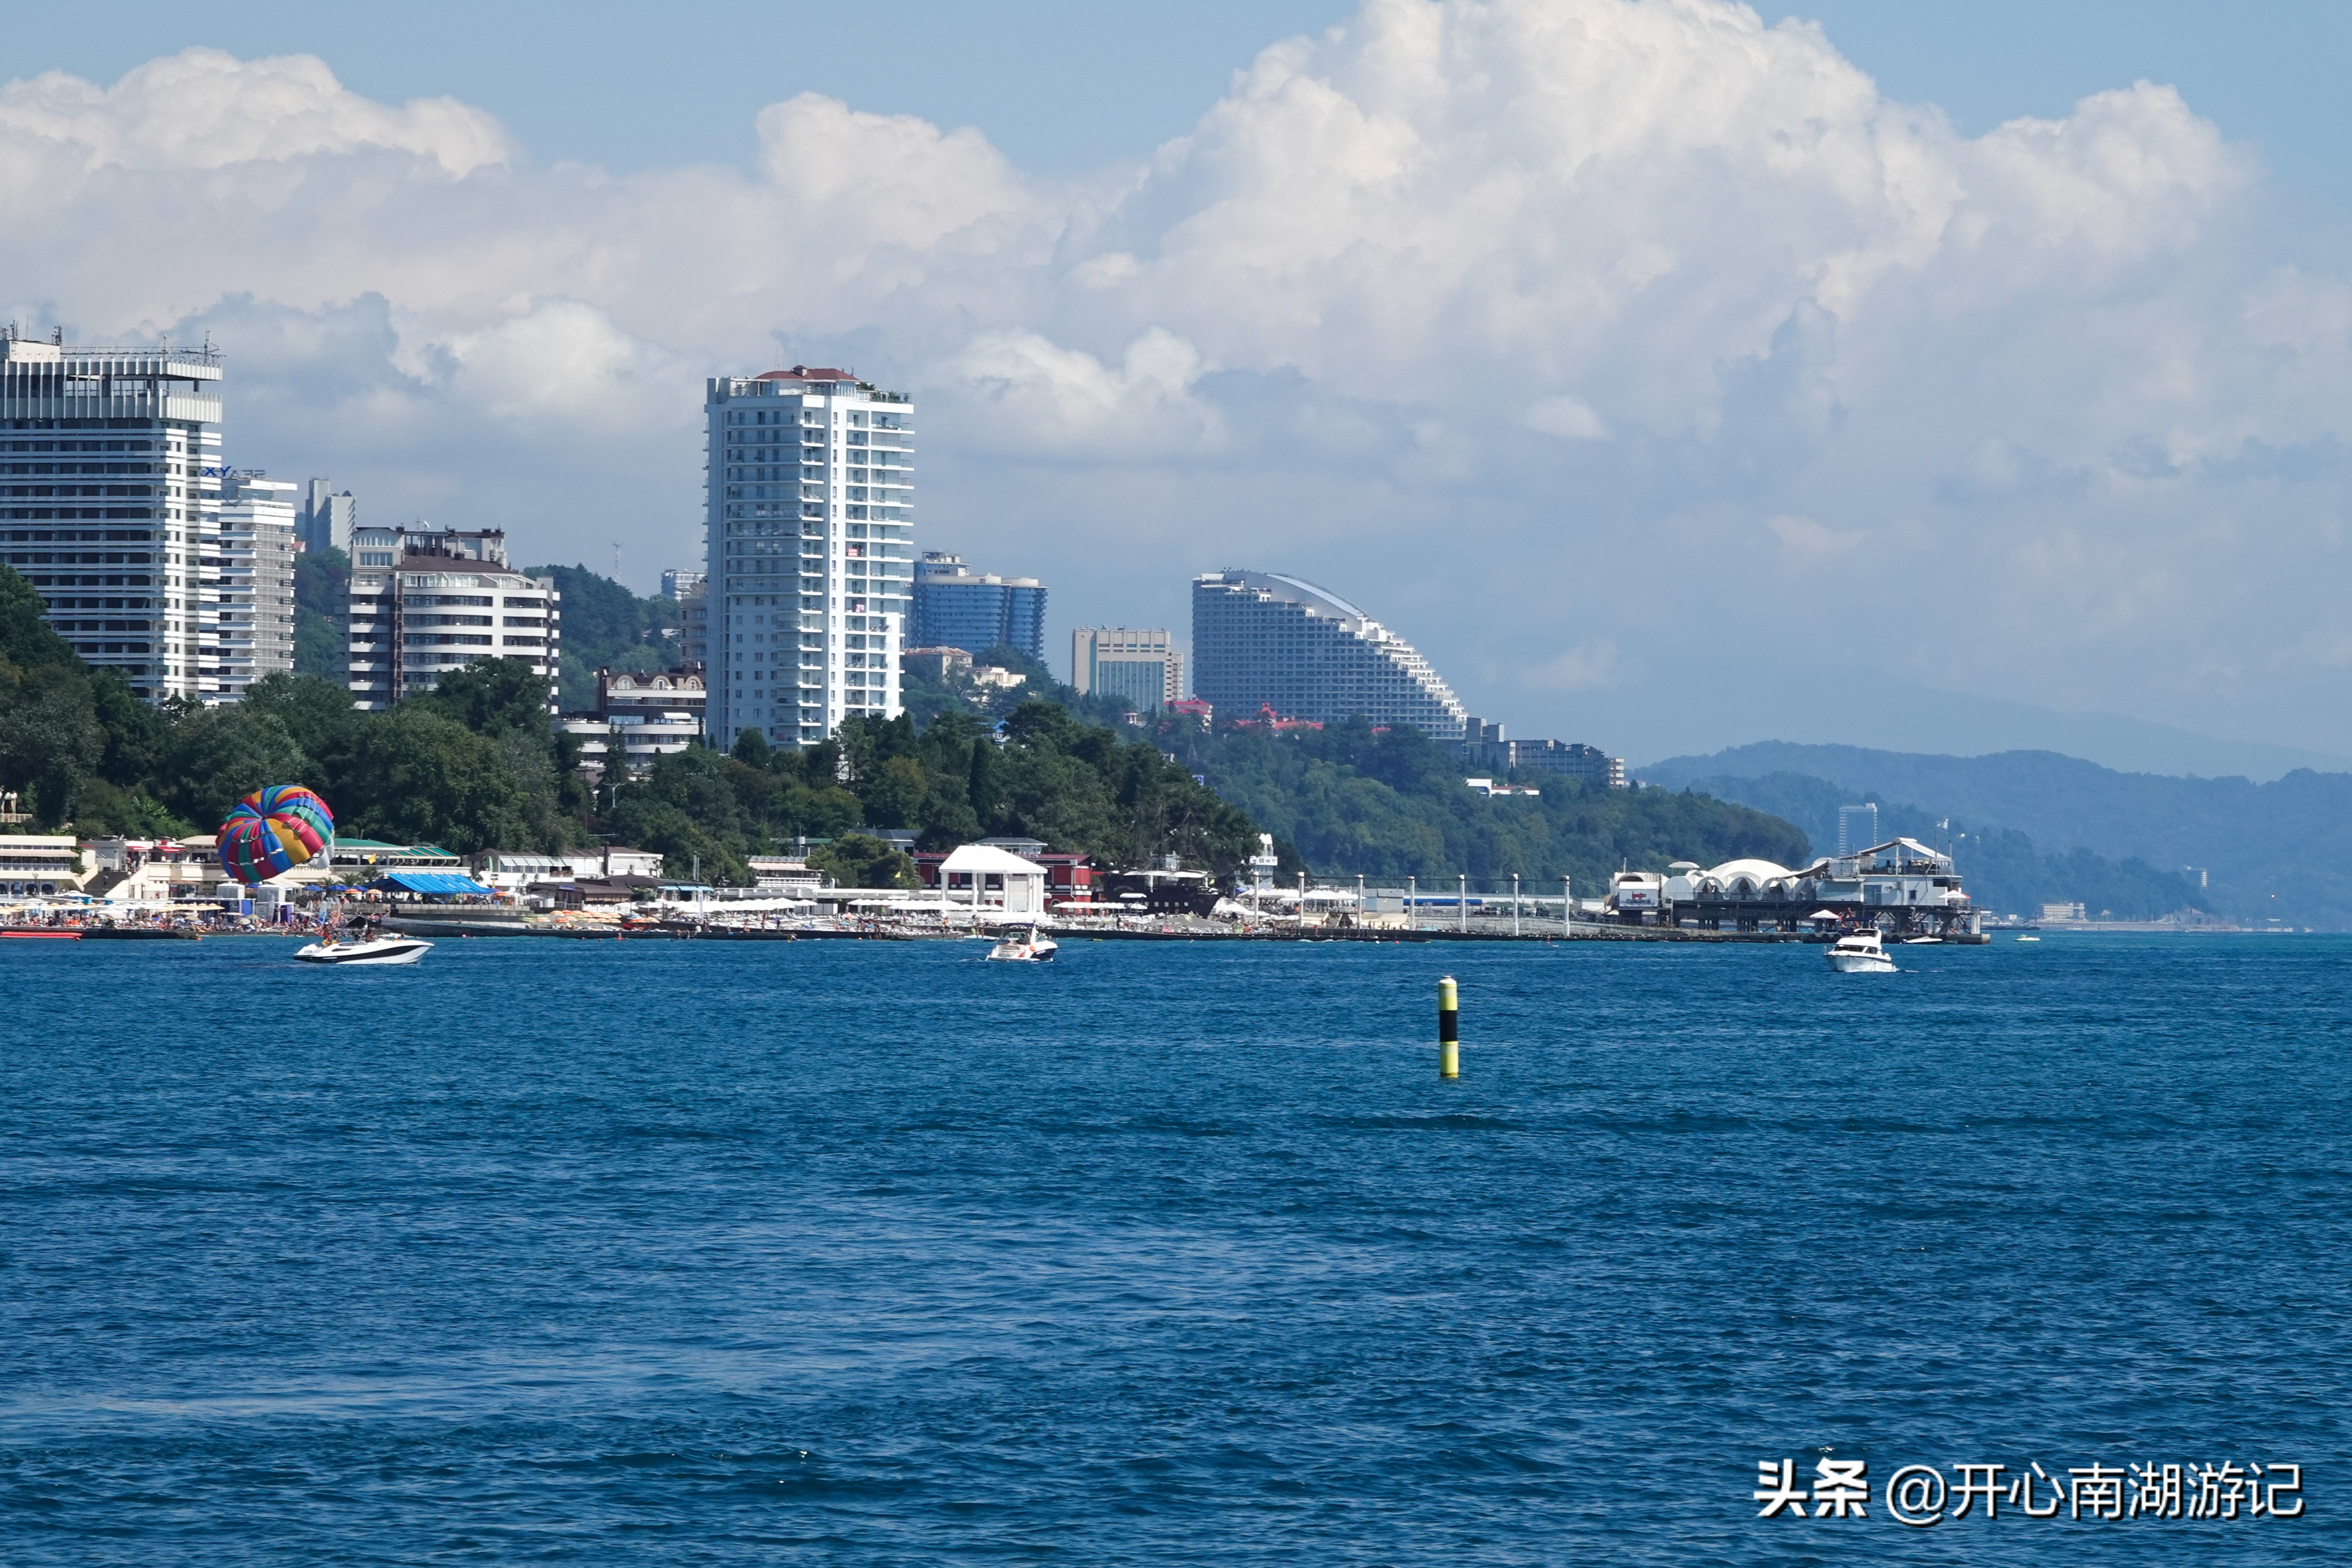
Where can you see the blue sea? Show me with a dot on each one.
(877, 1253)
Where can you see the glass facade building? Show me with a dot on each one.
(958, 608)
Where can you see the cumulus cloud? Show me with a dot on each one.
(1580, 288)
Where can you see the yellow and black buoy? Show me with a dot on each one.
(1449, 1053)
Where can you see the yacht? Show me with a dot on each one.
(331, 949)
(1030, 946)
(1860, 952)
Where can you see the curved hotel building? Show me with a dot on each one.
(1262, 639)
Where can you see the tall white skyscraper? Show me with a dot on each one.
(248, 576)
(109, 499)
(811, 532)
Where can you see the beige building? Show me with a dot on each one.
(1142, 666)
(38, 865)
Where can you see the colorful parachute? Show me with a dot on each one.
(273, 830)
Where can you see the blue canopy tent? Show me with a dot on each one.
(442, 883)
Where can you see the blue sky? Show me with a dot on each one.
(1593, 345)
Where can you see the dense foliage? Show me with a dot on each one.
(926, 697)
(2003, 870)
(469, 767)
(1045, 776)
(607, 626)
(1392, 804)
(322, 603)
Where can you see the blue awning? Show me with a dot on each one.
(430, 882)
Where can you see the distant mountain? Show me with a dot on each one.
(2007, 873)
(2281, 849)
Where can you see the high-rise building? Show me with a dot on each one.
(1143, 667)
(248, 586)
(426, 601)
(810, 529)
(958, 608)
(1857, 827)
(110, 472)
(692, 592)
(327, 518)
(1260, 639)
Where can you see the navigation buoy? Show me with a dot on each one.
(1449, 1055)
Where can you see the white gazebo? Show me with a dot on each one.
(986, 881)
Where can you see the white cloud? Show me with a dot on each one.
(2092, 361)
(1809, 542)
(1572, 418)
(203, 110)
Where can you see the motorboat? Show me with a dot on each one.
(378, 949)
(1923, 942)
(1860, 952)
(1031, 946)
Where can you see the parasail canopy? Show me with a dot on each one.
(273, 830)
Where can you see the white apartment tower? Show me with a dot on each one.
(426, 601)
(811, 535)
(248, 586)
(110, 496)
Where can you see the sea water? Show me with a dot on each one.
(879, 1253)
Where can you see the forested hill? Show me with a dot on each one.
(2279, 849)
(1351, 800)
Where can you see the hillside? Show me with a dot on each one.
(2006, 872)
(1348, 800)
(2279, 849)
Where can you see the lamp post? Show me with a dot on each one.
(1567, 909)
(1514, 903)
(1411, 903)
(1463, 904)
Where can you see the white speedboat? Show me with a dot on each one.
(1860, 952)
(1031, 946)
(366, 950)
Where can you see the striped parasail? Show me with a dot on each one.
(273, 830)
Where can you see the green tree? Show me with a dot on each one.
(752, 750)
(860, 860)
(491, 696)
(217, 756)
(323, 598)
(50, 741)
(418, 777)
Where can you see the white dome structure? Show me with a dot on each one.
(1746, 879)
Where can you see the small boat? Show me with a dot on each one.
(1860, 952)
(365, 950)
(1923, 942)
(29, 933)
(1031, 947)
(2028, 938)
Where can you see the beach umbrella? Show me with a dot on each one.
(273, 830)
